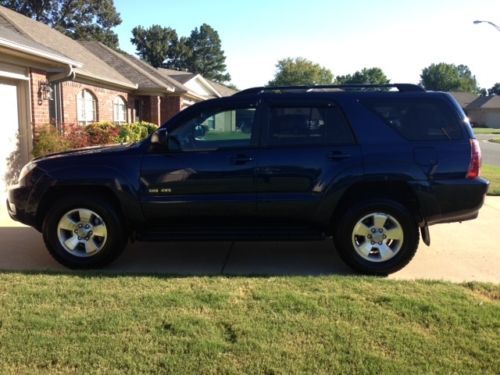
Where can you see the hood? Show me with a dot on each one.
(93, 150)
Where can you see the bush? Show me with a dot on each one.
(48, 140)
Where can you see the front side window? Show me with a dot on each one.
(216, 129)
(86, 105)
(308, 125)
(119, 110)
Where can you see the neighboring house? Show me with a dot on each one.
(481, 110)
(485, 111)
(49, 78)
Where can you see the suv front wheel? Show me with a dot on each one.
(81, 232)
(377, 237)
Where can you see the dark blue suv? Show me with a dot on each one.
(369, 166)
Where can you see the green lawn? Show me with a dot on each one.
(55, 323)
(492, 173)
(486, 131)
(495, 140)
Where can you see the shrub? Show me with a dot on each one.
(47, 140)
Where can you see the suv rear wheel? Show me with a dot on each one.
(377, 237)
(80, 232)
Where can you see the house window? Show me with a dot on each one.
(86, 106)
(119, 110)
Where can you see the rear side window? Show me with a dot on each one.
(418, 119)
(308, 125)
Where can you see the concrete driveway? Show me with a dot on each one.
(459, 252)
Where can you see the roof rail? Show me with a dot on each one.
(402, 87)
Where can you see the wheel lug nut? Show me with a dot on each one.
(374, 230)
(380, 230)
(380, 243)
(369, 236)
(385, 236)
(373, 243)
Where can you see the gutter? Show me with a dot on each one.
(67, 75)
(39, 53)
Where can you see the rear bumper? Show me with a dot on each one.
(447, 201)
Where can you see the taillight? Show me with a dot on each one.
(475, 159)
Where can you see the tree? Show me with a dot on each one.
(373, 76)
(78, 19)
(495, 90)
(449, 77)
(300, 71)
(202, 53)
(155, 44)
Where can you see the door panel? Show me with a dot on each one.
(307, 147)
(209, 170)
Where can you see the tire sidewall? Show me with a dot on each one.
(115, 241)
(343, 237)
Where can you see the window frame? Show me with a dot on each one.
(81, 104)
(123, 103)
(266, 141)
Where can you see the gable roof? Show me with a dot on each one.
(128, 66)
(485, 102)
(464, 98)
(184, 77)
(39, 34)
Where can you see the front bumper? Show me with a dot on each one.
(18, 206)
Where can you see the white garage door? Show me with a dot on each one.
(9, 128)
(492, 118)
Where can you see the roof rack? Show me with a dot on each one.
(402, 87)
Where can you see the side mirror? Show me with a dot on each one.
(159, 137)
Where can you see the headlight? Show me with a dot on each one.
(25, 170)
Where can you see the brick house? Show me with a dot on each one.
(49, 78)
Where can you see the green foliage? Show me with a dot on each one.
(105, 323)
(300, 71)
(373, 76)
(47, 140)
(83, 20)
(155, 44)
(200, 53)
(449, 77)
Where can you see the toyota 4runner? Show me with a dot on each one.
(369, 166)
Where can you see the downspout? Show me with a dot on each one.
(67, 75)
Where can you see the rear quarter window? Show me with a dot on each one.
(418, 119)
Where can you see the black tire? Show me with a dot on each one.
(343, 237)
(113, 246)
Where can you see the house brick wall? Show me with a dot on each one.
(170, 105)
(39, 108)
(104, 97)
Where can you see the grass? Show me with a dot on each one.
(495, 140)
(492, 173)
(56, 323)
(486, 131)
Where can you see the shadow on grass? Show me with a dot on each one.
(22, 250)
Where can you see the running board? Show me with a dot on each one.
(223, 234)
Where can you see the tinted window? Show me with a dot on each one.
(308, 125)
(418, 119)
(217, 129)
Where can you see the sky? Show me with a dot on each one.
(401, 37)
